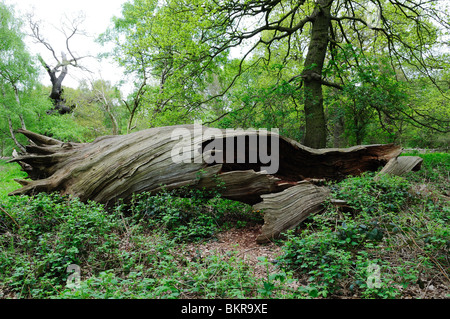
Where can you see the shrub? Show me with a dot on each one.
(373, 197)
(189, 215)
(434, 169)
(54, 232)
(338, 250)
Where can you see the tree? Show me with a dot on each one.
(17, 69)
(193, 38)
(113, 168)
(59, 70)
(371, 101)
(101, 95)
(155, 50)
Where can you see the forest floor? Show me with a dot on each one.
(242, 242)
(150, 253)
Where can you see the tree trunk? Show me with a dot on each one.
(116, 167)
(108, 110)
(13, 136)
(16, 96)
(285, 210)
(316, 133)
(339, 131)
(115, 125)
(56, 95)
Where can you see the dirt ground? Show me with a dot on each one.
(243, 242)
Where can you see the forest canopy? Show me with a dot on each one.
(327, 73)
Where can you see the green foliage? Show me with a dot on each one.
(126, 258)
(212, 277)
(321, 258)
(434, 169)
(428, 99)
(277, 285)
(65, 129)
(154, 46)
(8, 172)
(18, 74)
(181, 55)
(99, 107)
(17, 67)
(189, 215)
(372, 198)
(49, 233)
(358, 250)
(261, 98)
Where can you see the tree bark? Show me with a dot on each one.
(285, 210)
(316, 134)
(116, 167)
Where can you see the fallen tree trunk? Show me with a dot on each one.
(116, 167)
(401, 165)
(285, 210)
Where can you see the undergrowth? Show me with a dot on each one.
(391, 240)
(129, 251)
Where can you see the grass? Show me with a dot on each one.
(391, 241)
(8, 172)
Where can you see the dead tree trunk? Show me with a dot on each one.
(56, 95)
(116, 167)
(62, 64)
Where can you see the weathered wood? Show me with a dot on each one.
(116, 167)
(285, 210)
(401, 165)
